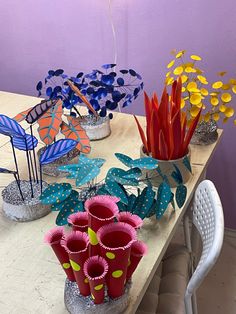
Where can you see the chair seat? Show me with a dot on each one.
(165, 294)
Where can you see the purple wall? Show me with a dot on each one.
(76, 35)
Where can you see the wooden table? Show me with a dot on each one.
(32, 282)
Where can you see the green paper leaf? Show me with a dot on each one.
(102, 191)
(55, 193)
(98, 162)
(134, 173)
(163, 199)
(117, 174)
(148, 163)
(181, 194)
(144, 202)
(126, 160)
(86, 174)
(72, 197)
(131, 201)
(117, 190)
(187, 164)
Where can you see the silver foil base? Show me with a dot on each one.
(52, 168)
(77, 304)
(31, 209)
(205, 133)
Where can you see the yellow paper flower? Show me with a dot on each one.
(204, 91)
(194, 111)
(226, 86)
(191, 86)
(222, 108)
(202, 79)
(217, 85)
(225, 120)
(229, 112)
(186, 98)
(226, 97)
(199, 71)
(169, 80)
(234, 122)
(222, 73)
(216, 116)
(195, 57)
(232, 81)
(179, 70)
(180, 54)
(234, 89)
(214, 101)
(200, 105)
(182, 103)
(207, 117)
(190, 70)
(168, 74)
(195, 99)
(183, 89)
(184, 78)
(169, 65)
(214, 94)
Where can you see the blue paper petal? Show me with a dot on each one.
(10, 127)
(58, 72)
(27, 142)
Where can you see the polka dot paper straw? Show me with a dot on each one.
(53, 238)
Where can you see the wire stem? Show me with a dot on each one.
(18, 184)
(15, 160)
(34, 155)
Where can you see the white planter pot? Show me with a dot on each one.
(96, 129)
(31, 209)
(77, 304)
(167, 167)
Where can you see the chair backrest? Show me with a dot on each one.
(209, 221)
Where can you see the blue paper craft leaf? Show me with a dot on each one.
(4, 170)
(181, 194)
(39, 86)
(117, 190)
(74, 195)
(27, 142)
(133, 173)
(108, 66)
(86, 174)
(58, 72)
(164, 196)
(145, 163)
(91, 161)
(67, 208)
(187, 164)
(10, 127)
(176, 175)
(57, 150)
(126, 160)
(144, 202)
(55, 193)
(131, 201)
(120, 81)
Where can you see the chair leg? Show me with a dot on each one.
(194, 303)
(187, 235)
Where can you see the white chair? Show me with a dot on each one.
(172, 289)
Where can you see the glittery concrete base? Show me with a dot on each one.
(77, 304)
(52, 168)
(31, 209)
(205, 133)
(96, 129)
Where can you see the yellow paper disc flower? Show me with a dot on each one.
(170, 80)
(216, 116)
(168, 74)
(232, 81)
(200, 105)
(234, 122)
(207, 117)
(182, 103)
(194, 111)
(202, 79)
(222, 108)
(198, 71)
(225, 120)
(214, 101)
(222, 73)
(179, 54)
(179, 70)
(191, 86)
(234, 89)
(169, 65)
(183, 89)
(184, 78)
(195, 99)
(229, 112)
(214, 94)
(204, 91)
(190, 70)
(226, 86)
(226, 97)
(195, 57)
(217, 85)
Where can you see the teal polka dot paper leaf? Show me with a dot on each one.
(102, 191)
(134, 173)
(187, 164)
(55, 193)
(70, 167)
(126, 160)
(164, 196)
(117, 190)
(181, 194)
(68, 207)
(72, 197)
(176, 175)
(98, 162)
(117, 174)
(86, 174)
(144, 202)
(172, 200)
(131, 201)
(148, 163)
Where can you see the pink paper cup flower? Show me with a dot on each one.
(79, 221)
(76, 245)
(138, 250)
(95, 269)
(134, 220)
(115, 241)
(102, 210)
(53, 237)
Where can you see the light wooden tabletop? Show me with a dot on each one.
(32, 282)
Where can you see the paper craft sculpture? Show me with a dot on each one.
(138, 250)
(78, 221)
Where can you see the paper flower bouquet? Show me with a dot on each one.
(98, 265)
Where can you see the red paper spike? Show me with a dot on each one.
(148, 109)
(163, 147)
(176, 128)
(142, 135)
